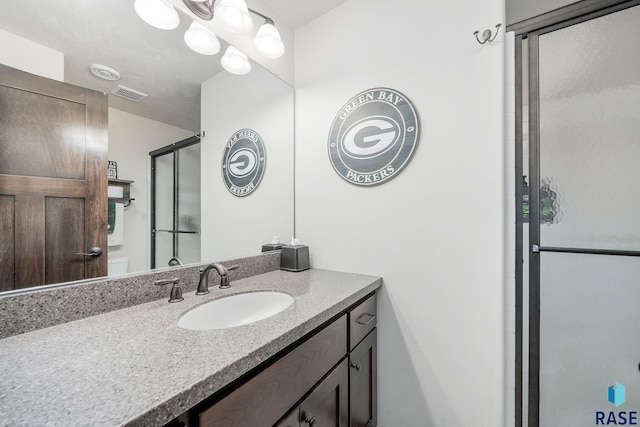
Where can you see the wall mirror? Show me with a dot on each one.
(179, 83)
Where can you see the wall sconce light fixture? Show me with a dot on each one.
(233, 15)
(235, 61)
(157, 13)
(267, 40)
(201, 40)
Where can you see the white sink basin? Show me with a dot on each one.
(235, 310)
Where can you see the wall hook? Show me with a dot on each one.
(487, 35)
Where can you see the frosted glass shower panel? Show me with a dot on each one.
(188, 207)
(590, 134)
(164, 192)
(590, 337)
(189, 247)
(164, 248)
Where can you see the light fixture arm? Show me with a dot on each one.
(204, 10)
(267, 20)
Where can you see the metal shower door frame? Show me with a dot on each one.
(531, 30)
(171, 149)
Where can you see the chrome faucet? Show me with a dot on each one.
(203, 284)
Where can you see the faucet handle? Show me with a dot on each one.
(224, 278)
(176, 290)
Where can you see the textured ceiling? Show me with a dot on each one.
(152, 61)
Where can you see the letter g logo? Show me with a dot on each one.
(242, 162)
(370, 137)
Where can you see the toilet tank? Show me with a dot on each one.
(118, 266)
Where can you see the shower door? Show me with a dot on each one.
(175, 203)
(584, 282)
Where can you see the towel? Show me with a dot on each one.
(115, 226)
(111, 216)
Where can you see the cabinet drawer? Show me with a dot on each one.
(362, 320)
(263, 399)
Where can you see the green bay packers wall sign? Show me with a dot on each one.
(243, 162)
(373, 136)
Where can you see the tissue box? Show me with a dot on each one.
(267, 247)
(294, 258)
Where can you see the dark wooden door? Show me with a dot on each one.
(328, 403)
(53, 180)
(363, 383)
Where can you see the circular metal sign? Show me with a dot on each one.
(373, 136)
(243, 162)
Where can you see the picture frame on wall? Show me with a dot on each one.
(112, 170)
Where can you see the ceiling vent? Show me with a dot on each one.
(128, 93)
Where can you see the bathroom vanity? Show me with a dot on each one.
(333, 369)
(135, 366)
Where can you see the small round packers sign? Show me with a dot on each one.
(373, 136)
(243, 162)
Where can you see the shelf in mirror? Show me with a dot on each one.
(125, 184)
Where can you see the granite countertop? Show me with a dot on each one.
(135, 366)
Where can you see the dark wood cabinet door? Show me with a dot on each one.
(327, 405)
(363, 383)
(266, 397)
(292, 420)
(53, 180)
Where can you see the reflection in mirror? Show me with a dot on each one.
(234, 226)
(175, 203)
(58, 39)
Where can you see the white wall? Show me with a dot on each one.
(131, 138)
(238, 226)
(25, 55)
(436, 231)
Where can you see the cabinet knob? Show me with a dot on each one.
(310, 420)
(356, 366)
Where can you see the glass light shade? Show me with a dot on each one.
(268, 42)
(201, 40)
(233, 15)
(157, 13)
(235, 61)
